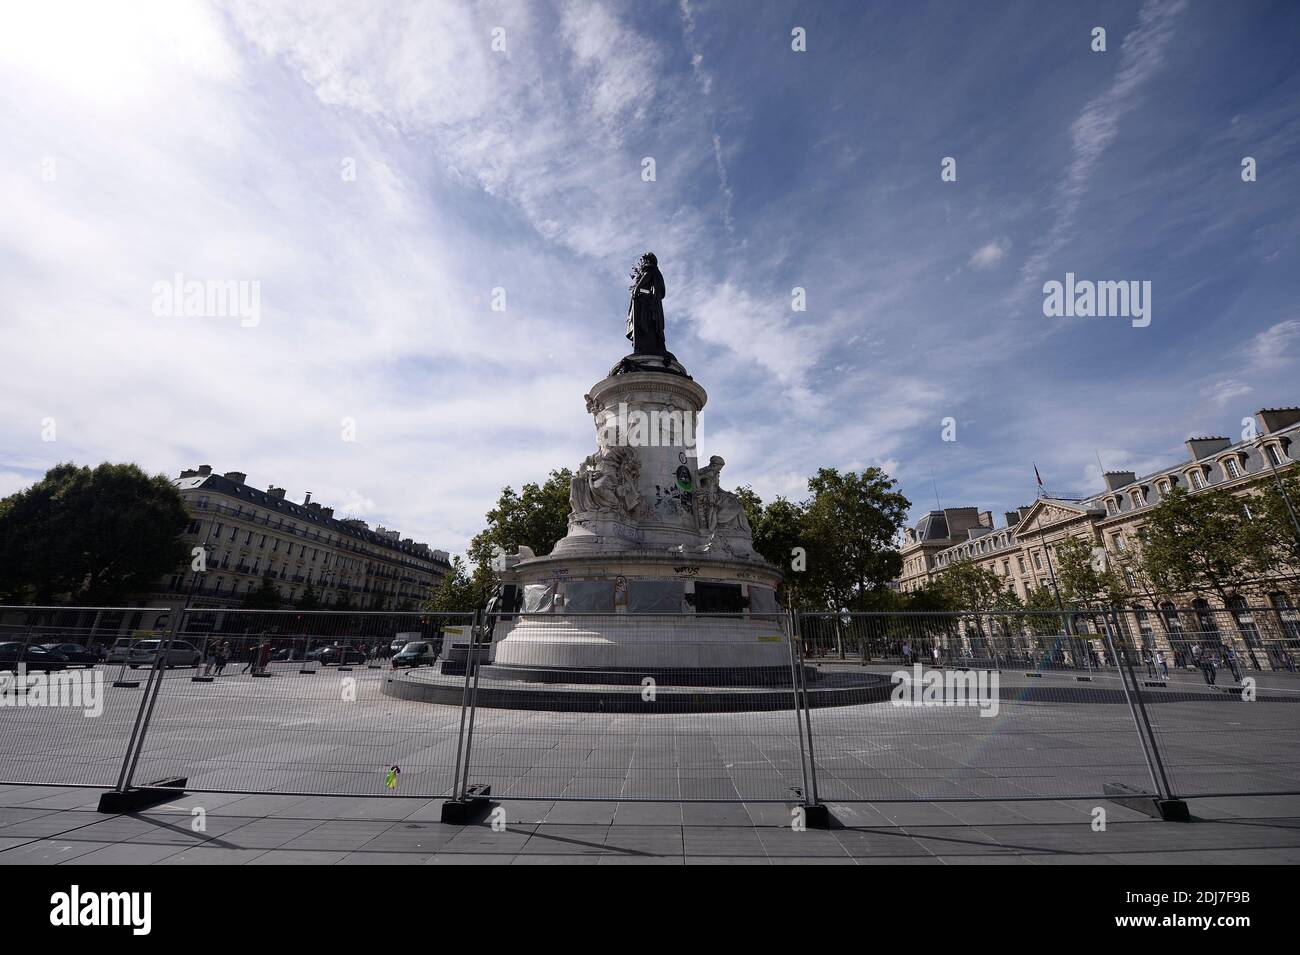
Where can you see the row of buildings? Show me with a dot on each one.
(1021, 548)
(247, 534)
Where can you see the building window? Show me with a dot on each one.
(1164, 488)
(1119, 543)
(1144, 627)
(1274, 455)
(1139, 495)
(1110, 505)
(1021, 562)
(1244, 620)
(1197, 479)
(1205, 620)
(1288, 616)
(1231, 469)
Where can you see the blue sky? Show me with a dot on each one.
(209, 139)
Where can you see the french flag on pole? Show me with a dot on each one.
(1038, 477)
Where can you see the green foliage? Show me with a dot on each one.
(1277, 510)
(462, 590)
(1081, 583)
(537, 517)
(94, 536)
(966, 586)
(1204, 541)
(265, 597)
(849, 524)
(309, 600)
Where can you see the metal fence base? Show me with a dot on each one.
(151, 794)
(817, 816)
(1168, 810)
(470, 808)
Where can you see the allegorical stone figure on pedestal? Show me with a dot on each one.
(645, 311)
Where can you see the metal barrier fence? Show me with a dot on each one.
(789, 707)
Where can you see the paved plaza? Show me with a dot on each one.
(42, 825)
(620, 788)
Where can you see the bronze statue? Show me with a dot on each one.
(645, 312)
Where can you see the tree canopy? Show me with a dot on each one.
(91, 535)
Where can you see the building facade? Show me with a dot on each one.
(245, 534)
(1022, 548)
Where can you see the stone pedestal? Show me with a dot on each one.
(654, 546)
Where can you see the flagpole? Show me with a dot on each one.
(1047, 554)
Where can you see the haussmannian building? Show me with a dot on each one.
(249, 533)
(1021, 549)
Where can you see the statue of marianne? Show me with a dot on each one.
(645, 312)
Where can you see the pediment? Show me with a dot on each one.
(1048, 512)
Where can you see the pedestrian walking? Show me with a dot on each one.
(1234, 665)
(1162, 663)
(1150, 659)
(223, 656)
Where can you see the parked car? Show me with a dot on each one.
(179, 654)
(414, 654)
(35, 657)
(120, 652)
(75, 653)
(336, 655)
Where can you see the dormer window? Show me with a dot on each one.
(1139, 496)
(1196, 478)
(1111, 506)
(1164, 488)
(1231, 469)
(1274, 455)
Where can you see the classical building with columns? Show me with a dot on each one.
(1021, 548)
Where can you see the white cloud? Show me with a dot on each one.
(990, 254)
(1271, 348)
(1140, 57)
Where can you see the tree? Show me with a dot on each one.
(537, 517)
(1277, 510)
(849, 524)
(461, 591)
(1204, 541)
(970, 588)
(1081, 581)
(778, 533)
(92, 535)
(265, 597)
(309, 600)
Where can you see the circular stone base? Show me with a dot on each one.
(678, 676)
(831, 689)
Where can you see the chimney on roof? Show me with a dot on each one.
(275, 492)
(1013, 518)
(1201, 448)
(205, 470)
(1275, 419)
(327, 511)
(307, 498)
(239, 477)
(1117, 479)
(986, 519)
(188, 473)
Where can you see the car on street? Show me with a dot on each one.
(35, 657)
(414, 654)
(179, 654)
(74, 653)
(336, 655)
